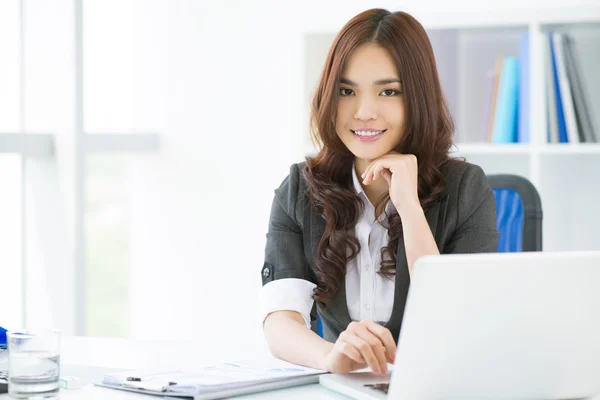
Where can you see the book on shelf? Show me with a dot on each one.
(507, 107)
(579, 92)
(551, 113)
(492, 95)
(523, 114)
(506, 112)
(569, 118)
(560, 115)
(564, 88)
(569, 113)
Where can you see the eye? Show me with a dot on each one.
(390, 92)
(346, 92)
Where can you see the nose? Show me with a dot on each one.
(366, 109)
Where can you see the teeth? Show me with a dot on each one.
(367, 133)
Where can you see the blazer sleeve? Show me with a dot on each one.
(284, 255)
(476, 216)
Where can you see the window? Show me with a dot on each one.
(10, 240)
(64, 232)
(10, 169)
(107, 246)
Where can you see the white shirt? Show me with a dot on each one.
(369, 295)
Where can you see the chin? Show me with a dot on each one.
(368, 154)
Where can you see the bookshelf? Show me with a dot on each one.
(466, 47)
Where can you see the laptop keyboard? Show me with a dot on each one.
(382, 387)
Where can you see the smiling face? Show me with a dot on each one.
(370, 114)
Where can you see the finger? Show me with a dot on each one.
(369, 172)
(388, 176)
(351, 352)
(382, 165)
(378, 170)
(365, 351)
(366, 173)
(376, 346)
(362, 176)
(370, 167)
(385, 336)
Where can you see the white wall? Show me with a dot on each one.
(10, 169)
(222, 82)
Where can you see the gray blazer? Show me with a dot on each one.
(462, 220)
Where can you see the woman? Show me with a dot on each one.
(347, 225)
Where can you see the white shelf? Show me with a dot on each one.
(586, 148)
(516, 149)
(488, 148)
(524, 149)
(485, 20)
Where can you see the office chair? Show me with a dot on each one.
(518, 213)
(518, 219)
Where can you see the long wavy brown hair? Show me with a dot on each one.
(428, 130)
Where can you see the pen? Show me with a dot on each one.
(149, 386)
(150, 382)
(144, 377)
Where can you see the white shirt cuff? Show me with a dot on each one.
(288, 294)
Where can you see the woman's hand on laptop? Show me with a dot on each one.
(362, 343)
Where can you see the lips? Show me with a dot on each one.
(368, 135)
(368, 132)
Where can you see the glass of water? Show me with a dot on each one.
(33, 364)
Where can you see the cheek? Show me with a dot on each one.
(344, 112)
(394, 114)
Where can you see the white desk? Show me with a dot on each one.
(89, 358)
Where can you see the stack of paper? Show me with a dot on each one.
(214, 381)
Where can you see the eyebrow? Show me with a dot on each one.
(380, 82)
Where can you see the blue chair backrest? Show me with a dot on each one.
(510, 220)
(518, 213)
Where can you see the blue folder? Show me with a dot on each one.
(507, 105)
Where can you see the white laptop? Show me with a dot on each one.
(494, 326)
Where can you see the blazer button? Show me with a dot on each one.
(266, 272)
